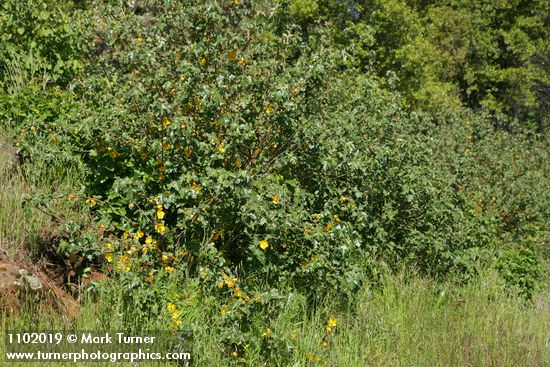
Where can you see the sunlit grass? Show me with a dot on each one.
(18, 225)
(409, 321)
(23, 226)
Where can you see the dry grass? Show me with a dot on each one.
(19, 226)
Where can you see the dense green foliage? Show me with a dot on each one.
(38, 41)
(312, 144)
(487, 55)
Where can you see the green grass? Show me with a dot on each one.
(18, 226)
(24, 226)
(408, 322)
(414, 323)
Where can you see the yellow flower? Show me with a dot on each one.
(218, 234)
(234, 353)
(232, 55)
(221, 284)
(328, 227)
(238, 163)
(114, 154)
(202, 62)
(145, 249)
(343, 199)
(257, 298)
(174, 312)
(169, 269)
(176, 324)
(164, 257)
(269, 110)
(160, 228)
(126, 234)
(109, 246)
(264, 244)
(123, 263)
(187, 152)
(165, 122)
(160, 214)
(238, 293)
(91, 202)
(171, 307)
(132, 249)
(275, 199)
(336, 218)
(195, 186)
(331, 324)
(221, 149)
(71, 197)
(266, 333)
(235, 2)
(149, 240)
(139, 233)
(109, 257)
(242, 61)
(165, 146)
(223, 310)
(139, 40)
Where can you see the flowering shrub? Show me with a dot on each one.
(223, 144)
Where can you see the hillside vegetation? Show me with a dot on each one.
(298, 182)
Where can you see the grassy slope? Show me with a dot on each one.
(410, 322)
(18, 226)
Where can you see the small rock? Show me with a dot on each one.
(17, 284)
(32, 281)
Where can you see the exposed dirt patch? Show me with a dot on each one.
(41, 277)
(22, 285)
(24, 282)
